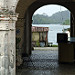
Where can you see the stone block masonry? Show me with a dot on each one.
(7, 45)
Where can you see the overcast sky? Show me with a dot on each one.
(50, 9)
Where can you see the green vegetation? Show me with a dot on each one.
(66, 22)
(54, 45)
(37, 43)
(57, 18)
(41, 19)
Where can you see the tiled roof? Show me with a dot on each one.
(39, 29)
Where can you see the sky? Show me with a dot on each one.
(50, 9)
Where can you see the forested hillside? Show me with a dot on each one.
(57, 18)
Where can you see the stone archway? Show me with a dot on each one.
(26, 19)
(68, 5)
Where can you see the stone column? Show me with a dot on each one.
(28, 33)
(20, 40)
(20, 34)
(72, 26)
(73, 31)
(7, 45)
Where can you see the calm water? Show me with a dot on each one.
(53, 30)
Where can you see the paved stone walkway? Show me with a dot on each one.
(45, 62)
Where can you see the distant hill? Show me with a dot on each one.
(57, 18)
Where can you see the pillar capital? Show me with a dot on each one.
(8, 17)
(7, 20)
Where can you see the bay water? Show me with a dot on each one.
(53, 30)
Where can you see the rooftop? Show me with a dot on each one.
(39, 29)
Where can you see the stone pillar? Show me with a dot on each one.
(73, 30)
(28, 33)
(20, 40)
(72, 26)
(20, 34)
(7, 45)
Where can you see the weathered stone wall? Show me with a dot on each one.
(4, 57)
(8, 32)
(7, 45)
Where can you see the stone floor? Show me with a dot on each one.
(45, 62)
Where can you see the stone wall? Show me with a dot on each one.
(8, 32)
(7, 44)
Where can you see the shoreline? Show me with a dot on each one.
(45, 48)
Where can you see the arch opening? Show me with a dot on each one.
(60, 16)
(54, 28)
(28, 18)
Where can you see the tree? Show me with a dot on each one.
(66, 22)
